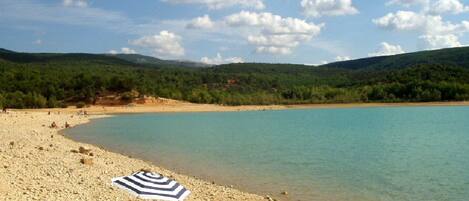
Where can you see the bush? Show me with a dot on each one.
(81, 105)
(52, 102)
(34, 100)
(129, 96)
(15, 100)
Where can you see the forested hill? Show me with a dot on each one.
(458, 57)
(56, 80)
(141, 59)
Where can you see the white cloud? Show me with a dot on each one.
(220, 60)
(201, 23)
(273, 50)
(124, 50)
(127, 50)
(317, 64)
(75, 3)
(447, 6)
(407, 3)
(387, 49)
(342, 58)
(219, 4)
(402, 20)
(273, 24)
(434, 31)
(277, 35)
(318, 8)
(428, 24)
(439, 41)
(336, 59)
(164, 44)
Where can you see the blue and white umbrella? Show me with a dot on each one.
(146, 185)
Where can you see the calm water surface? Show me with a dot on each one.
(383, 154)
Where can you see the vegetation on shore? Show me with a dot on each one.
(57, 80)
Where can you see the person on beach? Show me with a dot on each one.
(4, 110)
(53, 125)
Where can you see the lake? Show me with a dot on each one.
(354, 154)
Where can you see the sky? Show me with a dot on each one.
(233, 31)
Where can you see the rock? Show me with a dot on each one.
(51, 136)
(84, 150)
(145, 170)
(86, 161)
(74, 151)
(269, 198)
(284, 193)
(91, 154)
(41, 148)
(12, 143)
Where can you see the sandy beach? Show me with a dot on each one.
(179, 106)
(38, 163)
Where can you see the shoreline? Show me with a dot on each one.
(38, 163)
(47, 154)
(178, 106)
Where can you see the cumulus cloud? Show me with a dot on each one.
(435, 32)
(203, 22)
(164, 44)
(219, 4)
(439, 41)
(273, 23)
(342, 58)
(220, 60)
(127, 50)
(278, 35)
(387, 49)
(411, 21)
(407, 3)
(402, 20)
(75, 3)
(318, 8)
(124, 50)
(447, 6)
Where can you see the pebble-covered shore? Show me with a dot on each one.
(38, 163)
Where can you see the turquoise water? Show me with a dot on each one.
(388, 154)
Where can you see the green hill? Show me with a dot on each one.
(32, 80)
(141, 59)
(449, 57)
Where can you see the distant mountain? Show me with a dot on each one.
(449, 57)
(5, 51)
(125, 59)
(142, 59)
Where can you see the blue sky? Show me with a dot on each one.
(223, 31)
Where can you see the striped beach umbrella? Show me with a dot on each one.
(146, 185)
